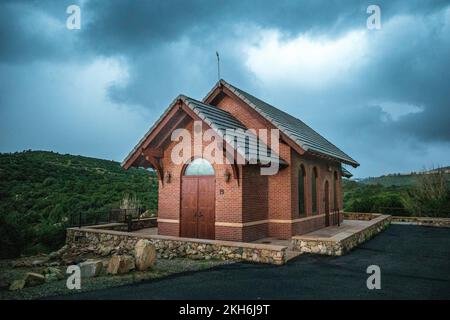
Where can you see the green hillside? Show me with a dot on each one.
(398, 179)
(414, 194)
(40, 190)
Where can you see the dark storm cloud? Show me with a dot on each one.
(123, 27)
(168, 47)
(34, 30)
(134, 25)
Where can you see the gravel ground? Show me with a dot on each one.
(162, 268)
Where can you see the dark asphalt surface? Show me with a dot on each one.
(414, 262)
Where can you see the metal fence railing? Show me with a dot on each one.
(87, 218)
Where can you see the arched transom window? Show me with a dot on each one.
(199, 167)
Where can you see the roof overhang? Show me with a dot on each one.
(148, 151)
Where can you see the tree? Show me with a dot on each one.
(430, 196)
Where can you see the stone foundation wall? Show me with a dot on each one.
(423, 221)
(106, 242)
(350, 242)
(360, 216)
(342, 244)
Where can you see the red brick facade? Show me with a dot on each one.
(255, 206)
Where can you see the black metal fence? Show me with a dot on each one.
(87, 218)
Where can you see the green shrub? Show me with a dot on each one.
(40, 190)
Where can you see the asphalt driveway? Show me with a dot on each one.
(414, 262)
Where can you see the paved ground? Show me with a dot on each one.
(414, 262)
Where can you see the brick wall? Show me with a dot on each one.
(255, 197)
(326, 171)
(228, 196)
(255, 194)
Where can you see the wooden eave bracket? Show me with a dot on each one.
(155, 163)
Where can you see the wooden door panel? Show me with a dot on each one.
(189, 194)
(206, 210)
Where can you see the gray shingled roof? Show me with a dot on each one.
(346, 173)
(233, 131)
(226, 126)
(297, 130)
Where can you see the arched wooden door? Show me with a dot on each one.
(198, 200)
(327, 203)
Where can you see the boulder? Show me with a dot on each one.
(33, 279)
(91, 268)
(17, 285)
(145, 254)
(120, 264)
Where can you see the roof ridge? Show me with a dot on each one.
(292, 122)
(272, 106)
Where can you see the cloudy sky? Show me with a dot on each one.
(381, 95)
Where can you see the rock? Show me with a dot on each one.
(114, 264)
(53, 255)
(104, 251)
(145, 254)
(34, 279)
(62, 250)
(17, 285)
(53, 274)
(39, 261)
(91, 268)
(51, 277)
(120, 264)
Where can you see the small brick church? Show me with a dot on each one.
(233, 200)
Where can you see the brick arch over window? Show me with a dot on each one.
(314, 186)
(301, 183)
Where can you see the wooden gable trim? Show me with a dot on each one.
(169, 133)
(222, 89)
(157, 165)
(153, 155)
(143, 144)
(153, 152)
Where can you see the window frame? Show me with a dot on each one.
(301, 194)
(314, 191)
